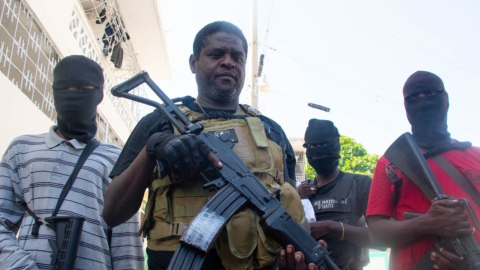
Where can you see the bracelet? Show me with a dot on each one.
(343, 231)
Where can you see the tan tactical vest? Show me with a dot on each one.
(242, 243)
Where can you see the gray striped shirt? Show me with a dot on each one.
(34, 170)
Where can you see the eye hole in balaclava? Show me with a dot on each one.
(426, 105)
(322, 143)
(76, 109)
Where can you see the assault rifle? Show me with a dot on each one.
(236, 186)
(407, 157)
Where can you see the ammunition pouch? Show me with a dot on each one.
(243, 243)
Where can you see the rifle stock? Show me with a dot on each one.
(407, 157)
(237, 185)
(67, 234)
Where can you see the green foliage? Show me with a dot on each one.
(355, 159)
(309, 172)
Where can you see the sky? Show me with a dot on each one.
(351, 56)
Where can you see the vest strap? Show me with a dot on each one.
(277, 175)
(178, 228)
(161, 184)
(343, 186)
(258, 132)
(250, 110)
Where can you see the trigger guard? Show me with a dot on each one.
(215, 184)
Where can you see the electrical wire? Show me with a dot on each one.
(399, 38)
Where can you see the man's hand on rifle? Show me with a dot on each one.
(291, 260)
(446, 260)
(182, 153)
(446, 218)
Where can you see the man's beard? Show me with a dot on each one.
(217, 93)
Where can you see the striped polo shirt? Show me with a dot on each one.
(34, 170)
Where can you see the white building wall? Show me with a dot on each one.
(56, 17)
(68, 30)
(15, 121)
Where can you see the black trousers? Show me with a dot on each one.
(159, 260)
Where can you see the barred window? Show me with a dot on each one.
(27, 56)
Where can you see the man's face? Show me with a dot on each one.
(220, 68)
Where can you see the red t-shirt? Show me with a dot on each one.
(411, 199)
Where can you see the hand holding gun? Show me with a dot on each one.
(236, 185)
(446, 216)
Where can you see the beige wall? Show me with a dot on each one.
(18, 115)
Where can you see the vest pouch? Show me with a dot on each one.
(269, 244)
(267, 248)
(258, 159)
(291, 201)
(147, 221)
(258, 132)
(238, 241)
(287, 195)
(264, 242)
(252, 144)
(243, 245)
(229, 261)
(160, 227)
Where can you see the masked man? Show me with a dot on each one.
(339, 199)
(34, 171)
(426, 103)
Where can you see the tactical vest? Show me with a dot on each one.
(340, 205)
(242, 244)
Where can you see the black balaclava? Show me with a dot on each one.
(427, 114)
(322, 142)
(76, 109)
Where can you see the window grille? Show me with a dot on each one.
(27, 56)
(103, 15)
(300, 165)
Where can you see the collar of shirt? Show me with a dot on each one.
(328, 187)
(52, 139)
(192, 105)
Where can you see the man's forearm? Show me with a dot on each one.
(387, 232)
(358, 236)
(124, 195)
(12, 255)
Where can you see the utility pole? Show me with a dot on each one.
(254, 49)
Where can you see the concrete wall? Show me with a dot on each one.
(55, 16)
(18, 115)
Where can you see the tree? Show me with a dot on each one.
(354, 159)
